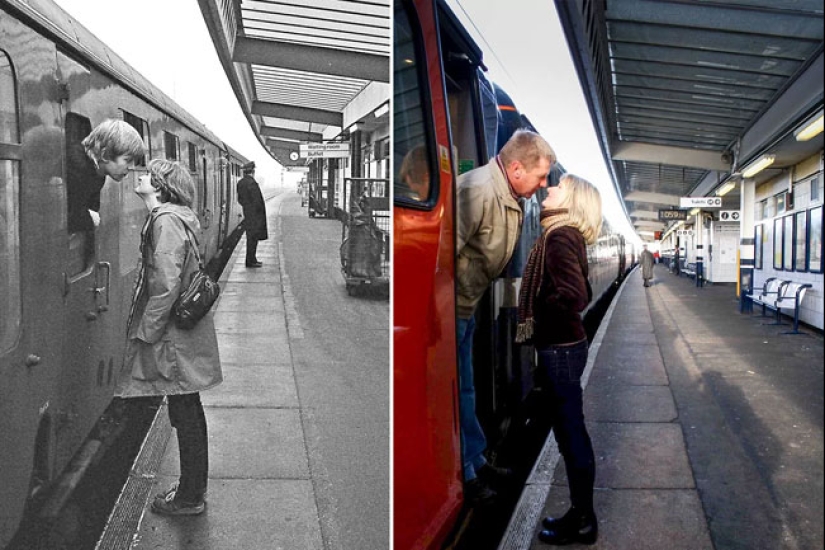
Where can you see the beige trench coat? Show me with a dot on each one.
(161, 359)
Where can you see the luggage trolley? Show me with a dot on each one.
(365, 238)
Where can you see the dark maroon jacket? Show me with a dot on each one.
(565, 290)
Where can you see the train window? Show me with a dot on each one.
(815, 240)
(171, 145)
(758, 243)
(9, 194)
(142, 128)
(83, 185)
(412, 147)
(777, 243)
(193, 157)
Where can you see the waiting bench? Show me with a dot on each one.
(690, 270)
(777, 294)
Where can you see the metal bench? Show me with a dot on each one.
(690, 270)
(768, 293)
(788, 296)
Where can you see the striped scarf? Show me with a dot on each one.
(140, 281)
(534, 272)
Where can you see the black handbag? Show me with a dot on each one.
(197, 298)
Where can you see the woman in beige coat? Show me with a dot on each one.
(160, 358)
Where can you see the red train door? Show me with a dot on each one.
(89, 323)
(426, 460)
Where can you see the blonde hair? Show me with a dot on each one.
(113, 138)
(173, 181)
(584, 206)
(527, 148)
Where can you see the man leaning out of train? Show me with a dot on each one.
(489, 224)
(108, 150)
(162, 359)
(554, 292)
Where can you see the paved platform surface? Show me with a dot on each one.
(707, 427)
(298, 449)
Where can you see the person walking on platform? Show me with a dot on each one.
(489, 223)
(254, 213)
(162, 359)
(647, 261)
(554, 292)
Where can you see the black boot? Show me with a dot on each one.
(573, 527)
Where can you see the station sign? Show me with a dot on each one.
(338, 150)
(700, 202)
(729, 215)
(668, 215)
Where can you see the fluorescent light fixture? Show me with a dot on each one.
(725, 189)
(382, 110)
(694, 211)
(757, 166)
(810, 129)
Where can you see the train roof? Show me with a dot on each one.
(54, 22)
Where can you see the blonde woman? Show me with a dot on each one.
(554, 292)
(162, 359)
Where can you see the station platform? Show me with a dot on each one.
(707, 427)
(260, 491)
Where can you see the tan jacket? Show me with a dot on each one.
(160, 358)
(489, 224)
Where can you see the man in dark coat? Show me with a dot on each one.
(254, 213)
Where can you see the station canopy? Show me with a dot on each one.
(297, 66)
(686, 95)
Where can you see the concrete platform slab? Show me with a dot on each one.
(640, 519)
(618, 451)
(247, 288)
(634, 365)
(251, 303)
(262, 386)
(267, 274)
(248, 322)
(255, 349)
(247, 513)
(623, 403)
(250, 443)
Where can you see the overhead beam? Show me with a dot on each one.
(647, 214)
(271, 131)
(655, 198)
(648, 224)
(666, 154)
(292, 112)
(312, 59)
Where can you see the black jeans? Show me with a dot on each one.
(187, 417)
(560, 371)
(251, 249)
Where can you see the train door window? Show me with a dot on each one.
(83, 185)
(142, 128)
(193, 157)
(414, 181)
(171, 144)
(9, 195)
(204, 183)
(800, 241)
(815, 240)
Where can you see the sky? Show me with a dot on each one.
(167, 42)
(526, 53)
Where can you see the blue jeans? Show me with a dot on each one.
(473, 442)
(560, 372)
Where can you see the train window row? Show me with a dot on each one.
(9, 190)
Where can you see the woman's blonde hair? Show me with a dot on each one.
(584, 206)
(173, 181)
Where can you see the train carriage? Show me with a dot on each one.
(451, 119)
(65, 292)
